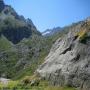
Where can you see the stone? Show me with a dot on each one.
(68, 62)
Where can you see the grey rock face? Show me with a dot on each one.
(68, 62)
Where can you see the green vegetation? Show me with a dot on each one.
(11, 22)
(4, 43)
(82, 35)
(41, 87)
(25, 84)
(11, 62)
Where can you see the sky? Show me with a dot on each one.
(47, 14)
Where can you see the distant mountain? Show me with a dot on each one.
(50, 32)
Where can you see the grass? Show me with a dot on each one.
(12, 84)
(15, 85)
(82, 35)
(25, 84)
(58, 88)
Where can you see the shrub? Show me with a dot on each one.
(82, 35)
(26, 80)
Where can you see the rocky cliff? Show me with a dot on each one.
(68, 63)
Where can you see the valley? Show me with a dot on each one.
(56, 59)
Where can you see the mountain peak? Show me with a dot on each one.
(2, 5)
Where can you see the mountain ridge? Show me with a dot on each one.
(50, 32)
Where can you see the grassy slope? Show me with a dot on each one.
(4, 43)
(43, 49)
(8, 56)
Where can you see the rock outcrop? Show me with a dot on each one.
(68, 62)
(4, 81)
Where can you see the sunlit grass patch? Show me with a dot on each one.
(58, 88)
(12, 84)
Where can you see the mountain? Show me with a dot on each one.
(20, 53)
(13, 26)
(22, 46)
(23, 51)
(2, 5)
(68, 63)
(50, 32)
